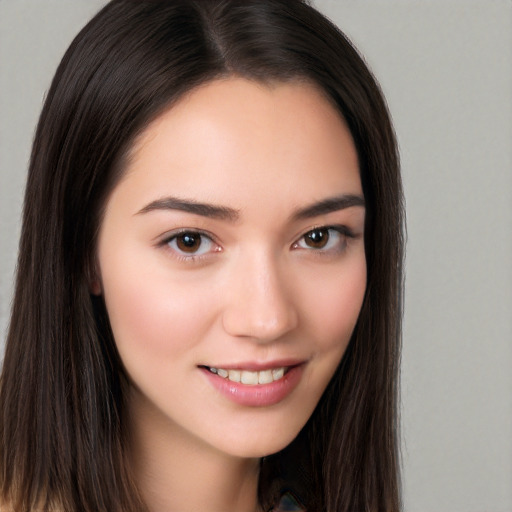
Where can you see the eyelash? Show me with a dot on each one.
(192, 257)
(342, 231)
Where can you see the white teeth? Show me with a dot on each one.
(250, 378)
(278, 373)
(265, 377)
(234, 375)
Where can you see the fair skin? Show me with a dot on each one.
(263, 280)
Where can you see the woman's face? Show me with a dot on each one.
(231, 259)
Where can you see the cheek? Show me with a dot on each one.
(334, 307)
(150, 314)
(333, 311)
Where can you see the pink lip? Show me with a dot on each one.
(259, 395)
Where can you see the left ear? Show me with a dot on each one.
(95, 287)
(93, 279)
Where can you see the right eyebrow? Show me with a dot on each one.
(329, 205)
(191, 206)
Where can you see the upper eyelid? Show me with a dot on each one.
(341, 228)
(183, 256)
(165, 238)
(346, 233)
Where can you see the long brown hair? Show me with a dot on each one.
(62, 428)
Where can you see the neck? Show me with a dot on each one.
(176, 471)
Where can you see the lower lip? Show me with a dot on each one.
(258, 395)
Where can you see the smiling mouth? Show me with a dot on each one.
(250, 378)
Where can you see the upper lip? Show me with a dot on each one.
(257, 366)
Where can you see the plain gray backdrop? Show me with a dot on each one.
(446, 69)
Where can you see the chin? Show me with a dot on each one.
(259, 444)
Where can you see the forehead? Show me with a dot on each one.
(236, 141)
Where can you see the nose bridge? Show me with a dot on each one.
(259, 305)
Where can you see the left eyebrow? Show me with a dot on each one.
(329, 205)
(191, 206)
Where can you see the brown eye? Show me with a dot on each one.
(324, 239)
(188, 242)
(191, 243)
(317, 238)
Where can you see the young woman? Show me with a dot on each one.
(208, 299)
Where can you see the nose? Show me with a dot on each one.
(258, 303)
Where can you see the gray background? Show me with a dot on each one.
(446, 69)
